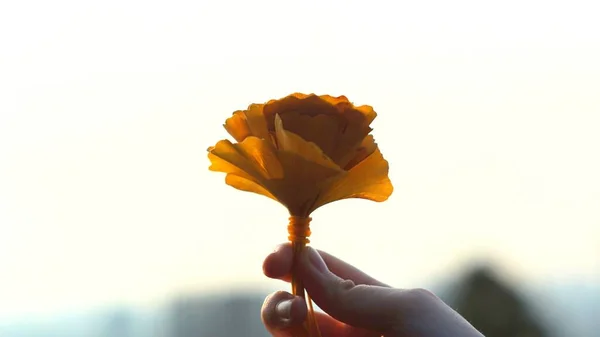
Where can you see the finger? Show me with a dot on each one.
(330, 327)
(283, 314)
(370, 307)
(279, 263)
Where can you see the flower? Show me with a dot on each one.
(303, 151)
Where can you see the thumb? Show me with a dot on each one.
(364, 306)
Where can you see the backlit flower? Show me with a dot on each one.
(304, 151)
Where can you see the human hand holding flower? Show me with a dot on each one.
(356, 304)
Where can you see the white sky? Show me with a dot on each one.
(488, 114)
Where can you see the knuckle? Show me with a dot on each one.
(337, 291)
(422, 294)
(418, 298)
(345, 285)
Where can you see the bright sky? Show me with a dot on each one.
(488, 114)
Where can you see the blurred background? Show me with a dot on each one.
(112, 225)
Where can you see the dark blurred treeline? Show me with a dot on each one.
(494, 307)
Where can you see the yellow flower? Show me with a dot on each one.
(304, 151)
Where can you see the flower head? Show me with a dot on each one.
(303, 151)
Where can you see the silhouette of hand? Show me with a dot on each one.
(357, 304)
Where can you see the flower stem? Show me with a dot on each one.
(299, 232)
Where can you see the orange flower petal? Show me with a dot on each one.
(299, 189)
(310, 105)
(334, 100)
(220, 165)
(322, 130)
(257, 122)
(246, 123)
(367, 112)
(256, 157)
(365, 149)
(367, 180)
(288, 141)
(348, 142)
(237, 126)
(298, 95)
(248, 185)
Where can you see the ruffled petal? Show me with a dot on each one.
(348, 142)
(334, 100)
(299, 189)
(246, 123)
(367, 180)
(248, 185)
(253, 156)
(290, 176)
(309, 105)
(220, 165)
(237, 126)
(290, 142)
(366, 147)
(356, 128)
(322, 130)
(368, 113)
(257, 122)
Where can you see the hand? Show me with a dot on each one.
(357, 304)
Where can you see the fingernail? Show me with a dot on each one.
(315, 260)
(284, 309)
